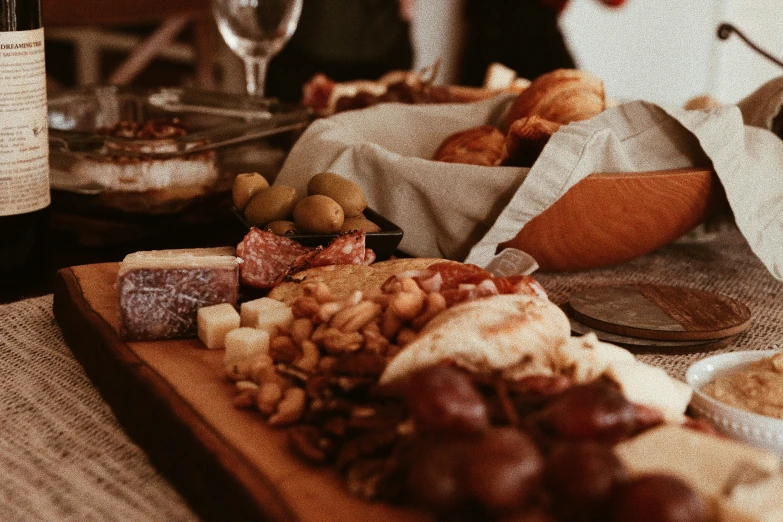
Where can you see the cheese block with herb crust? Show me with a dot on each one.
(160, 291)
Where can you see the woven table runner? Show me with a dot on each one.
(720, 262)
(64, 457)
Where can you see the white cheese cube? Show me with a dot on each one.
(651, 386)
(242, 344)
(585, 358)
(214, 322)
(268, 322)
(707, 462)
(266, 314)
(252, 310)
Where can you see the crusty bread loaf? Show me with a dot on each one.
(482, 145)
(561, 96)
(343, 280)
(526, 139)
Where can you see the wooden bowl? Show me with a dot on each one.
(610, 218)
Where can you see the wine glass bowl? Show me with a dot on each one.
(256, 30)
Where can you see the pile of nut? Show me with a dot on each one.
(346, 341)
(321, 374)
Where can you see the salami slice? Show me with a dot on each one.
(519, 284)
(266, 257)
(455, 274)
(303, 262)
(345, 249)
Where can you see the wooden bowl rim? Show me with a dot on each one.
(685, 171)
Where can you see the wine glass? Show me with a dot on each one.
(256, 30)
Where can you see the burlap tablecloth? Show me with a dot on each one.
(64, 457)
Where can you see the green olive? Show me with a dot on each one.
(359, 223)
(245, 186)
(273, 204)
(318, 214)
(345, 192)
(282, 228)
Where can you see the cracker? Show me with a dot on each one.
(343, 280)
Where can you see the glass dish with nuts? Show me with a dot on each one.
(155, 151)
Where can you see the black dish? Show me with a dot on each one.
(383, 243)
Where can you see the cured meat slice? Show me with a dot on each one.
(519, 284)
(266, 257)
(303, 262)
(345, 249)
(455, 274)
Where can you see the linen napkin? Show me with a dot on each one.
(443, 209)
(463, 211)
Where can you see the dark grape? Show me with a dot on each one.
(533, 514)
(443, 399)
(595, 411)
(436, 473)
(504, 469)
(581, 477)
(532, 392)
(658, 498)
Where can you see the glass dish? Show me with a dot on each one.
(92, 153)
(225, 134)
(384, 243)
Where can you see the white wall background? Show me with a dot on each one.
(667, 51)
(664, 51)
(437, 32)
(742, 70)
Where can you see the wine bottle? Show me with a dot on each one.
(24, 149)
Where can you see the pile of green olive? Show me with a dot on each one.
(333, 204)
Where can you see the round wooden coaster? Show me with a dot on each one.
(645, 346)
(665, 313)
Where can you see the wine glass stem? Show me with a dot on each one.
(255, 72)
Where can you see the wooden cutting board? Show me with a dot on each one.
(652, 346)
(172, 398)
(660, 312)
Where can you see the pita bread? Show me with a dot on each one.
(489, 334)
(344, 280)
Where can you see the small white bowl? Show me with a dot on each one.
(759, 430)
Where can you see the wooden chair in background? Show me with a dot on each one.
(94, 26)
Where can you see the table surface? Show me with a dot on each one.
(64, 456)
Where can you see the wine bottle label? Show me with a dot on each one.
(24, 144)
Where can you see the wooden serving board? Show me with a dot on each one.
(173, 399)
(651, 346)
(665, 313)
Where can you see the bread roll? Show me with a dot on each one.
(481, 145)
(561, 96)
(344, 280)
(526, 139)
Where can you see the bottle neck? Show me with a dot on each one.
(20, 15)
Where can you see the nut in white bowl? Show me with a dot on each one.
(759, 430)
